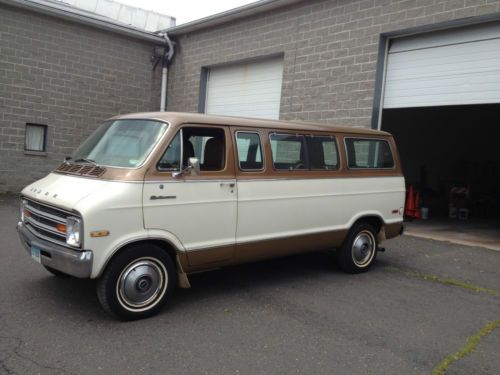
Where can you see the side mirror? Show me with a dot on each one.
(193, 168)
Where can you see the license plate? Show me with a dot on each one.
(35, 253)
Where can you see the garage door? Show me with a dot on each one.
(247, 89)
(453, 67)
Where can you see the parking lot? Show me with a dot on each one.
(425, 306)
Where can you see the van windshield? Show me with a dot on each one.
(121, 143)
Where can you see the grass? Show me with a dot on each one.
(447, 281)
(469, 347)
(473, 341)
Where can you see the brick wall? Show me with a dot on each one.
(330, 52)
(67, 76)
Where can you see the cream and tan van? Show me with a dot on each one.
(149, 198)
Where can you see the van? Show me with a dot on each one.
(150, 198)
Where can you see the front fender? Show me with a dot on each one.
(118, 243)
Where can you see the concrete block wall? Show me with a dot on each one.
(330, 52)
(69, 77)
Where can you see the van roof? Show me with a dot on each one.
(179, 118)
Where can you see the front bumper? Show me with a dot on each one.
(72, 262)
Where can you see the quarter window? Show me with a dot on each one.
(171, 159)
(249, 151)
(368, 153)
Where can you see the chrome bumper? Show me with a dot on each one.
(72, 262)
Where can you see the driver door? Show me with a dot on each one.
(200, 210)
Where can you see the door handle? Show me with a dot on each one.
(156, 197)
(230, 184)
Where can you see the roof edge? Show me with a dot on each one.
(83, 17)
(229, 15)
(194, 118)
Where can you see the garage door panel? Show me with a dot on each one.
(448, 37)
(255, 107)
(443, 59)
(244, 90)
(451, 74)
(468, 82)
(449, 65)
(247, 89)
(423, 100)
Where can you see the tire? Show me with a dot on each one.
(359, 249)
(137, 282)
(55, 272)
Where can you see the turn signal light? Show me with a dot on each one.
(61, 228)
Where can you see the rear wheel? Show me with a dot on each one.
(359, 249)
(137, 282)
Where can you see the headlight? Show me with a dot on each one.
(73, 231)
(23, 210)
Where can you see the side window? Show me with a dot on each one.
(249, 151)
(288, 151)
(322, 152)
(206, 144)
(368, 153)
(170, 161)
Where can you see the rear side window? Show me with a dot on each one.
(288, 151)
(368, 153)
(322, 152)
(249, 151)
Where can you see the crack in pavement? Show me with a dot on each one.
(469, 347)
(445, 281)
(473, 341)
(16, 353)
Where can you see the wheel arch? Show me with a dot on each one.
(376, 221)
(162, 243)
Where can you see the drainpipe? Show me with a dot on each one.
(165, 62)
(164, 73)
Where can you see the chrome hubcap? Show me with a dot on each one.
(363, 248)
(142, 283)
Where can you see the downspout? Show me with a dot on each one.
(165, 62)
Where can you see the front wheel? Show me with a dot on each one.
(137, 282)
(359, 249)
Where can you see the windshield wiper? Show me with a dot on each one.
(90, 161)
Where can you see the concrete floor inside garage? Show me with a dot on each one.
(443, 148)
(473, 232)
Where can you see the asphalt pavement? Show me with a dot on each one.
(424, 306)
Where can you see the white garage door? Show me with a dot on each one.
(453, 67)
(247, 89)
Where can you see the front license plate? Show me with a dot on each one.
(35, 253)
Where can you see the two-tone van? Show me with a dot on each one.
(149, 198)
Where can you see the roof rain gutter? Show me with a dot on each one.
(73, 14)
(247, 10)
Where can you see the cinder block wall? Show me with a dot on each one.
(69, 77)
(330, 52)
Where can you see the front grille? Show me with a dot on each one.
(42, 221)
(81, 169)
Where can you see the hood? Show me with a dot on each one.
(62, 190)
